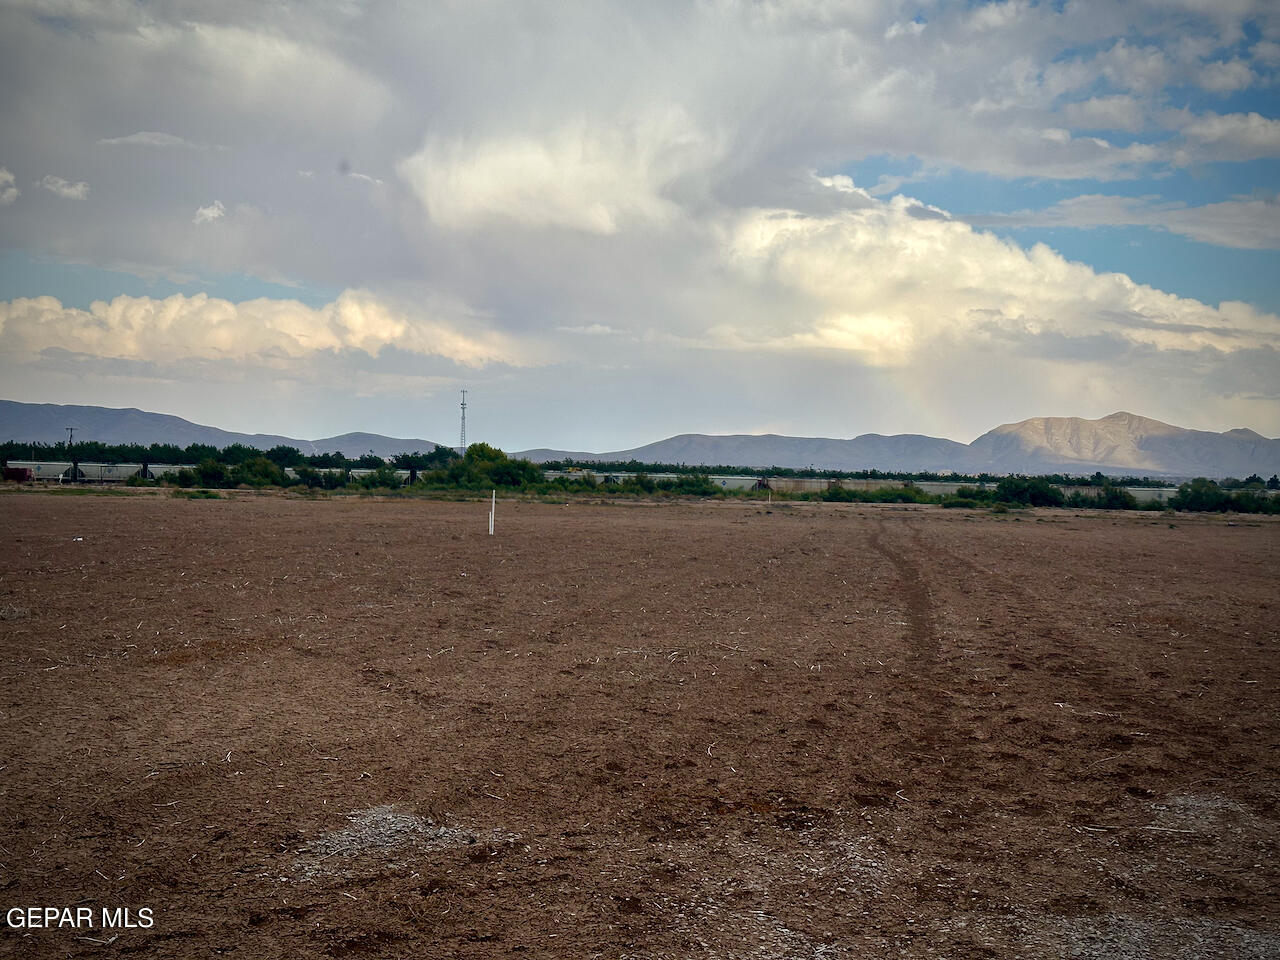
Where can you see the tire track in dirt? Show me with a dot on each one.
(935, 723)
(921, 617)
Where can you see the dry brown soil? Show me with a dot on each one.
(354, 728)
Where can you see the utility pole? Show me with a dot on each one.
(462, 437)
(75, 467)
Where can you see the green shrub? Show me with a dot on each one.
(1116, 498)
(1108, 497)
(258, 472)
(382, 478)
(1029, 492)
(907, 494)
(1201, 495)
(183, 477)
(211, 473)
(1254, 501)
(693, 485)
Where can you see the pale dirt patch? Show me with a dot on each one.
(382, 839)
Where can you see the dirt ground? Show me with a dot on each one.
(355, 728)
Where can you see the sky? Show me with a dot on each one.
(615, 222)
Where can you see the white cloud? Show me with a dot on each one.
(151, 138)
(365, 177)
(593, 179)
(294, 77)
(841, 183)
(214, 211)
(1142, 70)
(1245, 223)
(1267, 52)
(1118, 112)
(1227, 76)
(8, 187)
(64, 188)
(910, 28)
(180, 328)
(886, 285)
(1233, 136)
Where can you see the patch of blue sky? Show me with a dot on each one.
(1166, 261)
(969, 193)
(78, 285)
(1149, 255)
(1250, 33)
(963, 191)
(1214, 182)
(1260, 98)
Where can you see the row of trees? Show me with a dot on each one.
(1205, 495)
(485, 467)
(234, 455)
(482, 467)
(1196, 495)
(636, 466)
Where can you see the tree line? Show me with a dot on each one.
(1098, 479)
(92, 451)
(484, 467)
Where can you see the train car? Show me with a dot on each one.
(154, 471)
(359, 473)
(108, 472)
(736, 482)
(48, 471)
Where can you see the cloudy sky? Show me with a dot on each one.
(613, 222)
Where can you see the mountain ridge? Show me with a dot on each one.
(47, 423)
(1119, 443)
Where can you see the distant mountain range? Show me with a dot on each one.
(1121, 443)
(48, 422)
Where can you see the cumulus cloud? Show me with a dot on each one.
(887, 285)
(581, 177)
(64, 188)
(1227, 76)
(1246, 223)
(181, 328)
(214, 211)
(8, 187)
(1139, 69)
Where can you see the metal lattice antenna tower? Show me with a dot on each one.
(71, 432)
(462, 437)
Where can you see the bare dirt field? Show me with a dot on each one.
(357, 728)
